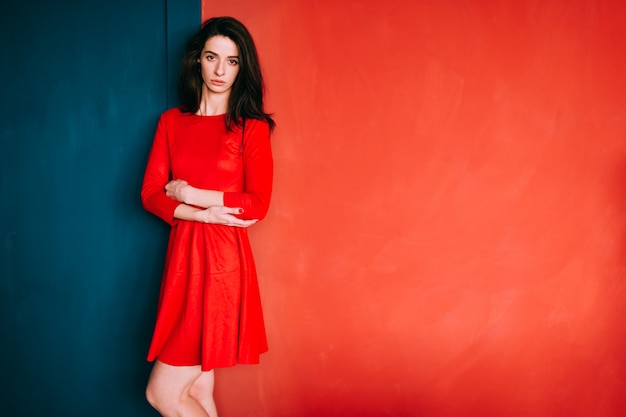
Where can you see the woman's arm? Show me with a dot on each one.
(157, 175)
(214, 214)
(258, 177)
(157, 201)
(181, 191)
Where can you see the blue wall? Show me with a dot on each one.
(82, 83)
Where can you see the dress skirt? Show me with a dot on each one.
(209, 311)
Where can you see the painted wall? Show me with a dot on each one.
(82, 83)
(447, 234)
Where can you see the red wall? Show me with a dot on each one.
(447, 234)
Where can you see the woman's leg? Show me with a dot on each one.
(169, 391)
(202, 391)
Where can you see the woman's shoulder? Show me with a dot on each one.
(176, 117)
(173, 113)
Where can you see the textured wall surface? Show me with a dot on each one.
(82, 83)
(447, 234)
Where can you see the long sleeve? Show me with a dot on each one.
(157, 175)
(258, 168)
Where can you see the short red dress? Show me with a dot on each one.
(209, 310)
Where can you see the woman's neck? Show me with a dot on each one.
(213, 104)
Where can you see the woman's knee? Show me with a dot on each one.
(202, 387)
(169, 387)
(162, 399)
(153, 396)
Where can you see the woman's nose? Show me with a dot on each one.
(219, 68)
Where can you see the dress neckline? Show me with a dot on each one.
(211, 116)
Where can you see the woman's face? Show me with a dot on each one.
(219, 64)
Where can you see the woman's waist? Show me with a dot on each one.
(208, 228)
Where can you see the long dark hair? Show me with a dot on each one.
(246, 96)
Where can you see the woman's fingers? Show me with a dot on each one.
(227, 216)
(244, 223)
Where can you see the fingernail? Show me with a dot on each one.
(240, 211)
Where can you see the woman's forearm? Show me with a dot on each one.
(204, 198)
(215, 215)
(186, 212)
(181, 191)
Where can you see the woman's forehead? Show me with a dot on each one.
(221, 45)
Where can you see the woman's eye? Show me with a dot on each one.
(210, 57)
(233, 62)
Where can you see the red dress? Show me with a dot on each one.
(209, 310)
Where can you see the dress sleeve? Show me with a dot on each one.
(157, 175)
(258, 171)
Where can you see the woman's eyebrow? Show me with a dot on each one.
(216, 54)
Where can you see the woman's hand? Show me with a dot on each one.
(178, 190)
(224, 215)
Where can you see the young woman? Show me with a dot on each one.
(209, 175)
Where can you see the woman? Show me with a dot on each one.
(216, 149)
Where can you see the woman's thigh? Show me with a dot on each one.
(171, 382)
